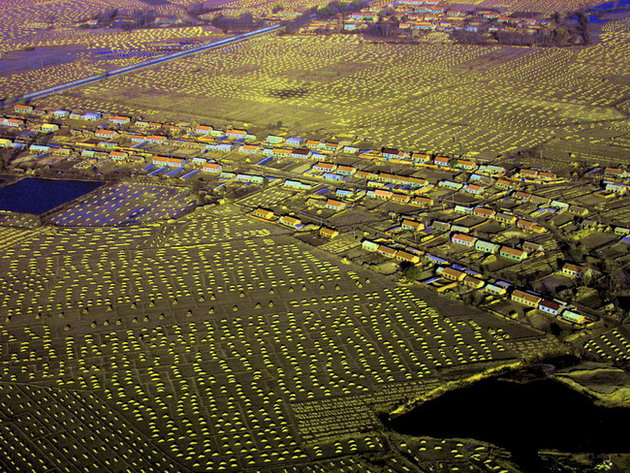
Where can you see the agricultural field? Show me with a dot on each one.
(435, 97)
(214, 343)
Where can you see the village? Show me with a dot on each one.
(522, 242)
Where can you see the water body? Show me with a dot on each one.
(37, 196)
(522, 418)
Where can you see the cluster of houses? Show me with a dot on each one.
(292, 222)
(431, 15)
(458, 275)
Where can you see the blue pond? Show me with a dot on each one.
(37, 196)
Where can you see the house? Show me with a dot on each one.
(211, 167)
(21, 108)
(273, 139)
(249, 149)
(442, 226)
(203, 129)
(451, 273)
(525, 298)
(294, 141)
(300, 153)
(572, 316)
(420, 158)
(291, 222)
(49, 127)
(616, 173)
(462, 209)
(91, 116)
(412, 225)
(495, 289)
(532, 247)
(572, 270)
(473, 282)
(296, 184)
(442, 161)
(369, 245)
(484, 212)
(505, 218)
(325, 167)
(465, 164)
(522, 196)
(393, 153)
(170, 162)
(155, 139)
(119, 120)
(531, 226)
(221, 147)
(549, 307)
(336, 205)
(5, 143)
(407, 257)
(512, 253)
(118, 155)
(328, 232)
(386, 251)
(346, 170)
(313, 144)
(422, 201)
(235, 133)
(108, 134)
(462, 239)
(61, 113)
(450, 184)
(106, 144)
(12, 122)
(487, 247)
(331, 176)
(400, 198)
(264, 214)
(474, 189)
(505, 184)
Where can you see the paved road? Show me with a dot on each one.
(151, 62)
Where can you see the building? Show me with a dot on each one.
(572, 270)
(119, 120)
(203, 129)
(336, 205)
(474, 189)
(369, 245)
(512, 253)
(407, 257)
(346, 170)
(108, 134)
(296, 184)
(49, 127)
(495, 289)
(573, 316)
(325, 167)
(170, 162)
(249, 149)
(211, 167)
(273, 139)
(264, 214)
(487, 247)
(549, 307)
(235, 133)
(442, 161)
(412, 225)
(484, 212)
(525, 298)
(291, 222)
(462, 239)
(386, 251)
(294, 141)
(451, 273)
(328, 232)
(20, 108)
(155, 139)
(473, 282)
(505, 218)
(12, 122)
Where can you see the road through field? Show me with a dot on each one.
(142, 65)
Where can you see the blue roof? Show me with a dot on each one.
(322, 191)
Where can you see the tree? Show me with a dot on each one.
(277, 8)
(411, 272)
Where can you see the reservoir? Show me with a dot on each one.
(522, 418)
(37, 196)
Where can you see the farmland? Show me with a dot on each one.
(217, 349)
(436, 97)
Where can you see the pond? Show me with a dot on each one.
(37, 196)
(522, 418)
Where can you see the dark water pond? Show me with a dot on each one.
(522, 418)
(36, 196)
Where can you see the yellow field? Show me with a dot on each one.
(438, 97)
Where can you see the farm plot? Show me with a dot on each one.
(203, 335)
(126, 204)
(415, 96)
